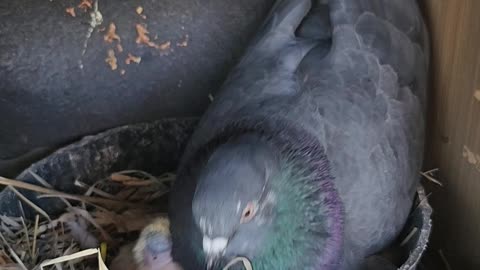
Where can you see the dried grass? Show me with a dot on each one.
(430, 176)
(246, 263)
(110, 213)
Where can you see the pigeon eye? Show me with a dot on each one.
(248, 213)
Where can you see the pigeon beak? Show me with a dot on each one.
(214, 247)
(210, 263)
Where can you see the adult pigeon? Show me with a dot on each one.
(309, 156)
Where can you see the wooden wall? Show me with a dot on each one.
(454, 129)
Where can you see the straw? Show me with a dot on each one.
(108, 212)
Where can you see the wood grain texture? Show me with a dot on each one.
(453, 143)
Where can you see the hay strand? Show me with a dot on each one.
(12, 253)
(46, 184)
(409, 236)
(35, 234)
(246, 263)
(444, 260)
(430, 177)
(107, 214)
(30, 203)
(70, 257)
(19, 184)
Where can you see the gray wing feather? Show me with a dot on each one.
(266, 71)
(369, 96)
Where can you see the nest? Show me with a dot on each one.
(92, 228)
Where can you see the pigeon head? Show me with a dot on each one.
(233, 202)
(262, 201)
(152, 250)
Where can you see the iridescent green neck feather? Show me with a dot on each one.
(298, 231)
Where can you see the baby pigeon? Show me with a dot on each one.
(150, 252)
(309, 156)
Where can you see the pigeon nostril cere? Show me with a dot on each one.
(215, 245)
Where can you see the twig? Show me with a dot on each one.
(126, 172)
(421, 202)
(246, 263)
(75, 199)
(27, 201)
(93, 189)
(444, 260)
(96, 19)
(26, 234)
(19, 184)
(88, 192)
(428, 176)
(12, 253)
(46, 184)
(432, 171)
(93, 200)
(35, 233)
(70, 257)
(409, 236)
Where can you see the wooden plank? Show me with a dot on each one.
(453, 142)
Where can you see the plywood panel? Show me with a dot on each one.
(454, 128)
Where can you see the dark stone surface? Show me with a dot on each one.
(46, 99)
